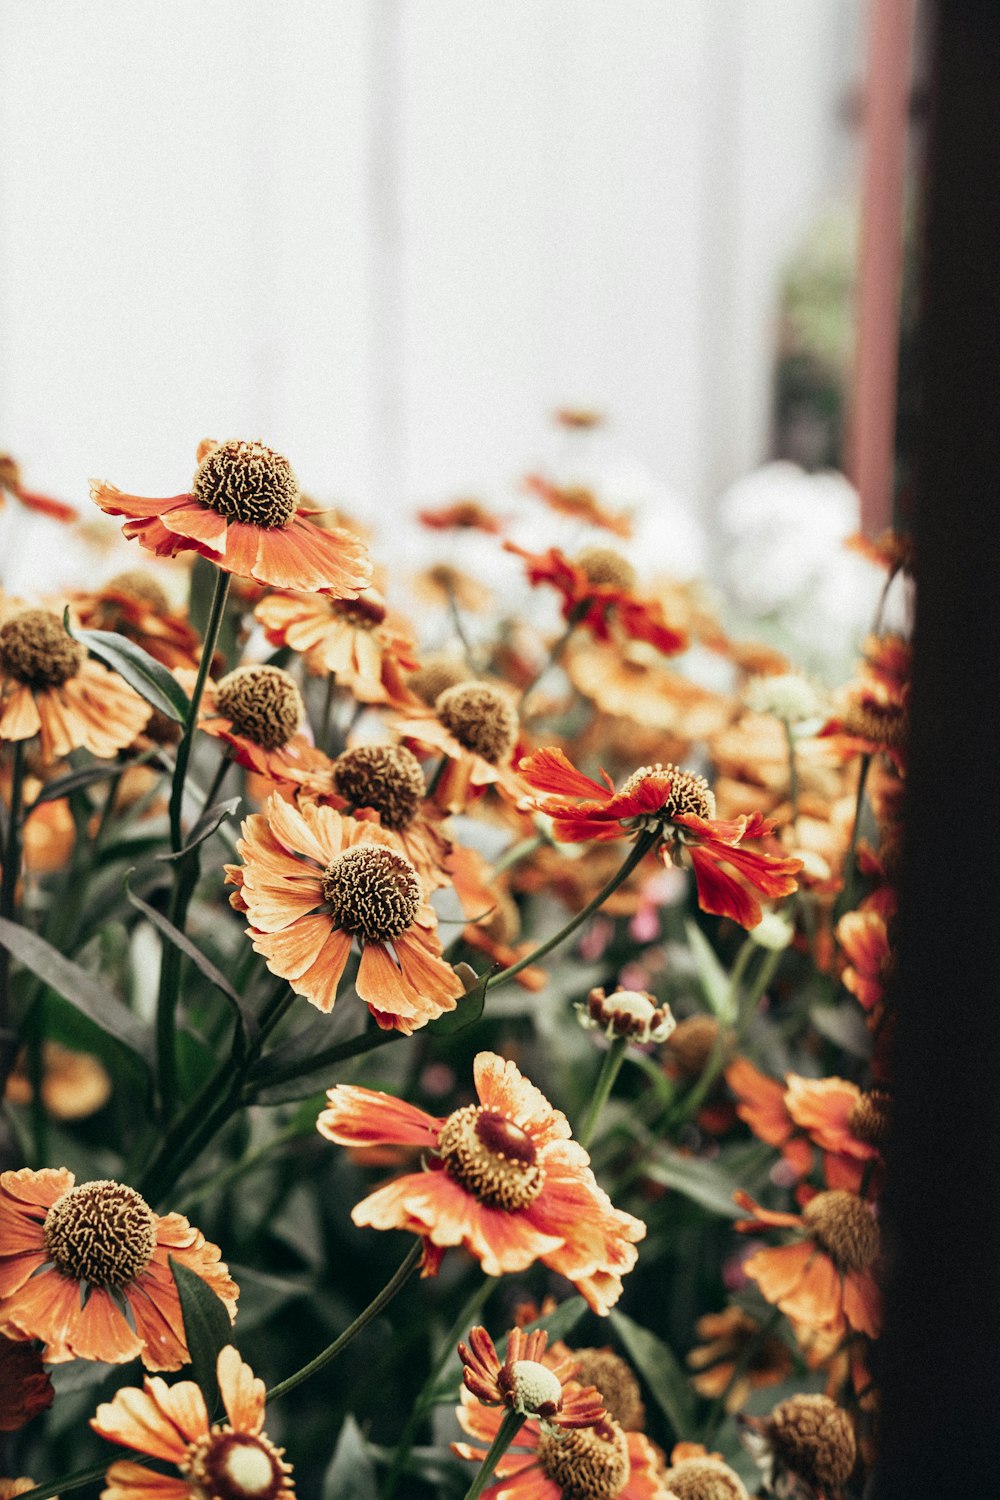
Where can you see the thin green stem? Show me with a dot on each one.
(394, 1285)
(366, 1041)
(218, 610)
(221, 772)
(82, 1476)
(793, 771)
(523, 849)
(744, 1010)
(555, 652)
(8, 903)
(435, 780)
(509, 1428)
(457, 621)
(610, 1068)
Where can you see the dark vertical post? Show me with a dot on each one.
(940, 1358)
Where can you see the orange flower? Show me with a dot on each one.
(505, 1180)
(134, 605)
(461, 515)
(235, 1460)
(74, 1084)
(312, 881)
(242, 513)
(864, 937)
(632, 684)
(366, 648)
(846, 1124)
(762, 1104)
(597, 590)
(258, 711)
(58, 1239)
(50, 687)
(9, 1488)
(824, 1280)
(734, 1340)
(680, 807)
(10, 484)
(578, 503)
(873, 721)
(597, 1462)
(474, 726)
(527, 1382)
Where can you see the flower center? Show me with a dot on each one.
(101, 1232)
(364, 613)
(481, 718)
(604, 566)
(35, 649)
(438, 673)
(883, 722)
(689, 793)
(229, 1465)
(618, 1386)
(264, 704)
(843, 1227)
(814, 1438)
(247, 481)
(491, 1156)
(869, 1118)
(387, 778)
(372, 892)
(704, 1479)
(631, 1013)
(533, 1389)
(138, 584)
(589, 1465)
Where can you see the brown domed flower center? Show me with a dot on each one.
(481, 718)
(438, 673)
(605, 566)
(36, 650)
(869, 1118)
(101, 1232)
(263, 703)
(617, 1384)
(689, 793)
(841, 1225)
(704, 1479)
(230, 1465)
(491, 1156)
(588, 1464)
(884, 723)
(140, 585)
(814, 1438)
(387, 778)
(372, 892)
(247, 481)
(692, 1042)
(364, 613)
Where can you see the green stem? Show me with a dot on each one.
(793, 771)
(291, 1132)
(8, 903)
(744, 1011)
(171, 969)
(509, 1428)
(613, 1059)
(555, 652)
(641, 847)
(330, 1353)
(219, 598)
(523, 849)
(456, 620)
(221, 772)
(81, 1477)
(366, 1041)
(435, 780)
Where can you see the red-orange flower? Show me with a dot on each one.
(597, 591)
(134, 605)
(366, 648)
(762, 1104)
(461, 515)
(312, 881)
(474, 727)
(864, 938)
(258, 711)
(505, 1179)
(243, 513)
(578, 503)
(825, 1279)
(57, 1239)
(234, 1460)
(527, 1382)
(10, 484)
(50, 687)
(677, 805)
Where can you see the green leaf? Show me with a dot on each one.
(714, 980)
(467, 1011)
(206, 1328)
(141, 671)
(211, 818)
(204, 965)
(75, 781)
(351, 1475)
(844, 1025)
(80, 989)
(661, 1370)
(704, 1182)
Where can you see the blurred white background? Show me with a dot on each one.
(390, 236)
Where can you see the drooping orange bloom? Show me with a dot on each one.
(58, 1240)
(134, 605)
(632, 684)
(50, 687)
(242, 512)
(257, 710)
(597, 590)
(874, 720)
(825, 1279)
(474, 727)
(864, 938)
(461, 515)
(504, 1179)
(762, 1105)
(527, 1382)
(368, 649)
(10, 484)
(847, 1125)
(734, 1339)
(312, 881)
(578, 503)
(679, 806)
(235, 1460)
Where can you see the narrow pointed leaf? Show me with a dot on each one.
(467, 1010)
(141, 671)
(206, 1328)
(351, 1474)
(661, 1370)
(712, 976)
(210, 820)
(706, 1183)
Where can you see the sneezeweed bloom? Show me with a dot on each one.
(134, 604)
(232, 1460)
(679, 808)
(847, 1125)
(73, 1085)
(242, 512)
(863, 936)
(461, 515)
(810, 1439)
(503, 1178)
(632, 684)
(366, 648)
(474, 727)
(527, 1383)
(9, 1488)
(388, 780)
(59, 1241)
(825, 1279)
(733, 1341)
(10, 484)
(697, 1475)
(579, 504)
(50, 687)
(312, 882)
(630, 1013)
(257, 710)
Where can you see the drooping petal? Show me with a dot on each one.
(358, 1116)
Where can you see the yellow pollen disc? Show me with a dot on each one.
(101, 1232)
(249, 482)
(587, 1464)
(841, 1225)
(264, 704)
(869, 1118)
(138, 584)
(689, 793)
(364, 612)
(481, 718)
(884, 723)
(387, 778)
(603, 565)
(491, 1157)
(372, 892)
(35, 650)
